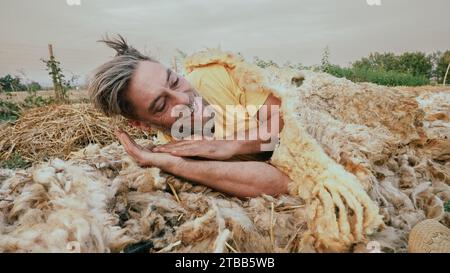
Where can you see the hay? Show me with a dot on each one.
(429, 236)
(57, 130)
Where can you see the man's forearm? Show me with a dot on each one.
(242, 179)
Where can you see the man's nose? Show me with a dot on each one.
(180, 97)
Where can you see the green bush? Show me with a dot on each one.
(33, 100)
(10, 83)
(9, 111)
(414, 63)
(16, 161)
(378, 76)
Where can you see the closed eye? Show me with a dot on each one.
(160, 105)
(175, 83)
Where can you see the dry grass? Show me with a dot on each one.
(57, 130)
(17, 97)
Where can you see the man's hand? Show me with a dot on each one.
(144, 156)
(211, 149)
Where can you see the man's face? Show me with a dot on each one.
(154, 90)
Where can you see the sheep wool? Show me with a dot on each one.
(354, 152)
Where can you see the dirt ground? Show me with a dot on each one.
(78, 95)
(82, 95)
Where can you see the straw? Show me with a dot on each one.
(57, 130)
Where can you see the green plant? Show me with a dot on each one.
(9, 83)
(33, 100)
(9, 111)
(34, 86)
(447, 206)
(378, 76)
(263, 63)
(15, 161)
(325, 62)
(414, 63)
(61, 85)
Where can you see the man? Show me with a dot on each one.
(147, 93)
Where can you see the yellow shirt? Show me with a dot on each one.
(215, 84)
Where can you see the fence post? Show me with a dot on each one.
(56, 84)
(174, 64)
(446, 74)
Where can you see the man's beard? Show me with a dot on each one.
(196, 103)
(194, 99)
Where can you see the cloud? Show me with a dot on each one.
(295, 30)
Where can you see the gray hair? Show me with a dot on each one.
(110, 81)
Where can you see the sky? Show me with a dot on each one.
(281, 30)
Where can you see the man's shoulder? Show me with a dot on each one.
(224, 66)
(211, 67)
(211, 57)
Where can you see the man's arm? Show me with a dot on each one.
(225, 149)
(241, 179)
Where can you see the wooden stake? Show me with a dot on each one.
(54, 79)
(174, 64)
(50, 51)
(446, 74)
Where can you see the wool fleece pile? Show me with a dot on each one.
(367, 163)
(101, 201)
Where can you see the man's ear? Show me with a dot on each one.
(139, 124)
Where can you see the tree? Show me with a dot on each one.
(9, 83)
(325, 62)
(415, 63)
(31, 86)
(442, 66)
(34, 86)
(380, 61)
(6, 83)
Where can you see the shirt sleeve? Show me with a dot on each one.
(217, 87)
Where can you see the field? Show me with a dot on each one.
(82, 95)
(74, 95)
